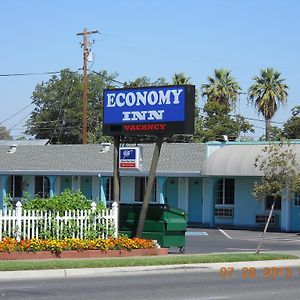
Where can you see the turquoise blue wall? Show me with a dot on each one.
(246, 206)
(195, 200)
(86, 186)
(171, 191)
(127, 190)
(294, 217)
(66, 183)
(208, 200)
(183, 193)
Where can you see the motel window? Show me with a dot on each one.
(297, 199)
(42, 186)
(16, 186)
(140, 188)
(269, 202)
(225, 191)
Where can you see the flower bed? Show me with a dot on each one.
(10, 249)
(57, 246)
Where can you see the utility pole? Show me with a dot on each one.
(85, 34)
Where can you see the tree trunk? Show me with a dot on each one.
(116, 181)
(268, 127)
(149, 186)
(266, 228)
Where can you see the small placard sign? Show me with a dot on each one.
(129, 158)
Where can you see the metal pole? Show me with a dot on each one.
(116, 170)
(149, 186)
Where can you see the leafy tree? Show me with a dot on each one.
(217, 122)
(280, 177)
(4, 134)
(276, 134)
(267, 93)
(58, 112)
(291, 128)
(145, 81)
(222, 88)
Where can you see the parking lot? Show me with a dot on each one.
(200, 240)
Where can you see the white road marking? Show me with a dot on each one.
(226, 234)
(214, 298)
(195, 233)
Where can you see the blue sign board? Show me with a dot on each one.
(127, 153)
(150, 110)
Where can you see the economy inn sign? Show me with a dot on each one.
(163, 110)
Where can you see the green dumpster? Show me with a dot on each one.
(163, 223)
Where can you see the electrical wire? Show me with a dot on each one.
(22, 109)
(106, 77)
(29, 74)
(19, 122)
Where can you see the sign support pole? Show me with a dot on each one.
(116, 170)
(149, 186)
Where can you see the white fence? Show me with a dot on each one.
(29, 224)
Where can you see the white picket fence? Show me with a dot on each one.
(29, 224)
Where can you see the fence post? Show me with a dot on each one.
(93, 206)
(19, 221)
(115, 215)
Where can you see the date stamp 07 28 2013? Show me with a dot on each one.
(269, 273)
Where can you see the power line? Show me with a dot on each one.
(17, 112)
(29, 74)
(107, 77)
(248, 118)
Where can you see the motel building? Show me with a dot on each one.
(212, 182)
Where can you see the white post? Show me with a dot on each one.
(93, 206)
(115, 215)
(19, 221)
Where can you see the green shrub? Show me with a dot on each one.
(67, 200)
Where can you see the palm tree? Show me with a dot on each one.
(222, 88)
(267, 93)
(180, 78)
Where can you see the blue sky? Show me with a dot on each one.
(149, 38)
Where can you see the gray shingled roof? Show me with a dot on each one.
(176, 160)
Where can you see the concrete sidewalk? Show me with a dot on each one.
(133, 271)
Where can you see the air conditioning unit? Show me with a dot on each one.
(262, 220)
(224, 212)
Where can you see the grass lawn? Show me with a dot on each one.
(136, 261)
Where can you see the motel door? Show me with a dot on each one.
(195, 200)
(171, 192)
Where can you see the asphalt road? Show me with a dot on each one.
(188, 282)
(223, 240)
(181, 284)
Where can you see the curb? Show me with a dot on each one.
(131, 271)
